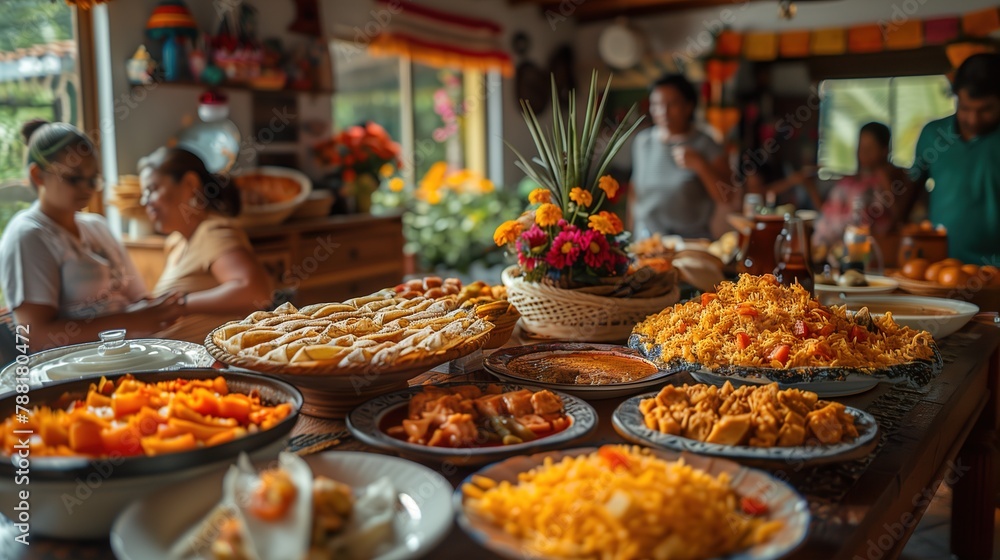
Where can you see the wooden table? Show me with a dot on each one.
(861, 509)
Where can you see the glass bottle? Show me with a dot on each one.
(792, 255)
(857, 238)
(752, 203)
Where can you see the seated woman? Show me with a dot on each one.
(64, 275)
(884, 189)
(209, 257)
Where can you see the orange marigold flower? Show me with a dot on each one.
(608, 184)
(616, 223)
(548, 214)
(600, 224)
(507, 233)
(396, 184)
(581, 197)
(540, 196)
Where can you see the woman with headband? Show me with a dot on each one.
(62, 272)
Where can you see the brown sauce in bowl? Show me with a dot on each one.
(581, 368)
(903, 310)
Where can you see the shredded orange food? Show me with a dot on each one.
(622, 503)
(757, 322)
(128, 417)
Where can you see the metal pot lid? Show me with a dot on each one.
(112, 354)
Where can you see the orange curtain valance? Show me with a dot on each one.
(441, 39)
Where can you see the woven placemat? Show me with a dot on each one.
(307, 444)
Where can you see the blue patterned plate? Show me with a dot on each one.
(364, 423)
(629, 423)
(783, 503)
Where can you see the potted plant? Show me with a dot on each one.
(573, 279)
(448, 217)
(362, 156)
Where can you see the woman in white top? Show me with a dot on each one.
(64, 275)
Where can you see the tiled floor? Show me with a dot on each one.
(930, 538)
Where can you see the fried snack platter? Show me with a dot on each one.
(757, 330)
(752, 423)
(378, 333)
(489, 302)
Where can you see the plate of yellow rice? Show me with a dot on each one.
(761, 331)
(627, 503)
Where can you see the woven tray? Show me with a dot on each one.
(307, 369)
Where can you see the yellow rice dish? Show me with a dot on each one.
(756, 322)
(622, 503)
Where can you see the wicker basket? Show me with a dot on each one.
(569, 315)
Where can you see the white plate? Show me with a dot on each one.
(940, 326)
(364, 423)
(876, 285)
(148, 528)
(854, 384)
(630, 423)
(782, 500)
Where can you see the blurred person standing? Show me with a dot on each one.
(680, 175)
(957, 160)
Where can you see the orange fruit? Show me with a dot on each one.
(952, 277)
(990, 275)
(970, 269)
(915, 269)
(951, 262)
(931, 274)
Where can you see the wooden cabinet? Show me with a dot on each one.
(329, 259)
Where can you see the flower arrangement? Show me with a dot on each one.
(448, 217)
(363, 155)
(566, 238)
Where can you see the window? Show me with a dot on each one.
(433, 113)
(367, 90)
(905, 104)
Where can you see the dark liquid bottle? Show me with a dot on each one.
(792, 255)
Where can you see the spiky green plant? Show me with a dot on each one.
(567, 159)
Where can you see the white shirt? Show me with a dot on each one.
(42, 263)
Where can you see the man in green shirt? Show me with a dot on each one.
(958, 159)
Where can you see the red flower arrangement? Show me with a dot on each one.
(582, 249)
(360, 150)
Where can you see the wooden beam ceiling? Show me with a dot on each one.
(596, 10)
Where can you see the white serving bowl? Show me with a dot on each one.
(938, 316)
(79, 497)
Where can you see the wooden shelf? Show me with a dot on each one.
(230, 86)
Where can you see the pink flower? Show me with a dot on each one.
(565, 249)
(596, 251)
(534, 237)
